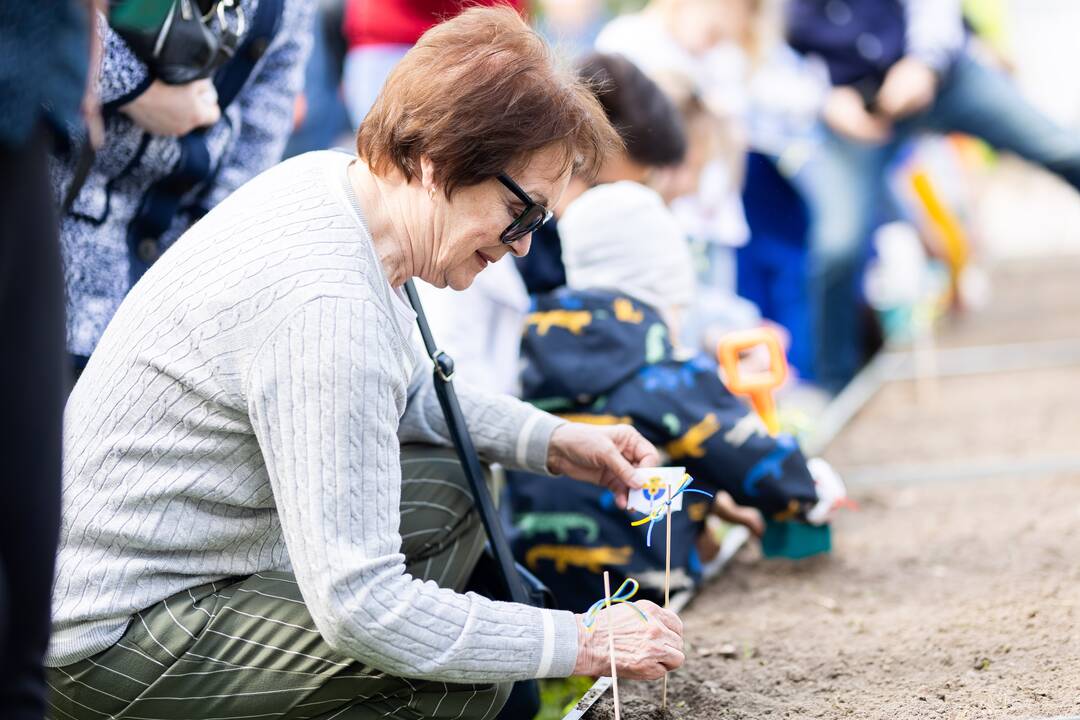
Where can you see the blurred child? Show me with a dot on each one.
(602, 350)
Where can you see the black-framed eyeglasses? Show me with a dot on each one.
(533, 216)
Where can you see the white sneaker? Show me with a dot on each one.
(831, 491)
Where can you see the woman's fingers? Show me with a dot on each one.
(639, 451)
(630, 451)
(667, 618)
(643, 650)
(671, 659)
(621, 469)
(655, 647)
(671, 621)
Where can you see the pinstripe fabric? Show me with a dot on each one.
(249, 649)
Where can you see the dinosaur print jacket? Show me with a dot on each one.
(604, 357)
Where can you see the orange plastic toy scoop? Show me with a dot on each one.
(759, 386)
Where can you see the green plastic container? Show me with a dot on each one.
(795, 540)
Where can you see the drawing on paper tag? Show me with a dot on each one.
(660, 482)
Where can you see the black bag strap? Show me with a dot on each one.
(443, 375)
(162, 200)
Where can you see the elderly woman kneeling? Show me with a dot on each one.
(250, 528)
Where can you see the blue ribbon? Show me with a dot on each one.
(622, 595)
(657, 513)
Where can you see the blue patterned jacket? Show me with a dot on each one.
(101, 261)
(603, 357)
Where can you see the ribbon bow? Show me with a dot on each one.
(658, 511)
(622, 595)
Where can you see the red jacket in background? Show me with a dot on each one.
(381, 22)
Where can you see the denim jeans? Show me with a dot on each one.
(326, 120)
(366, 69)
(845, 186)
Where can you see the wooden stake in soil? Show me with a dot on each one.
(658, 498)
(611, 644)
(667, 592)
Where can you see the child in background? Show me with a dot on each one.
(602, 350)
(724, 61)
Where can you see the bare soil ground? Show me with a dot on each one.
(1017, 415)
(952, 593)
(1032, 299)
(957, 601)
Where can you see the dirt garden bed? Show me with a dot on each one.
(955, 591)
(956, 601)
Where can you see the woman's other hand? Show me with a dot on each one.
(175, 109)
(603, 455)
(643, 650)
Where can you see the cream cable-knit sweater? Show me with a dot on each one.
(243, 413)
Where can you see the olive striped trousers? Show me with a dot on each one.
(248, 649)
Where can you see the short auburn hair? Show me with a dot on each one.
(479, 95)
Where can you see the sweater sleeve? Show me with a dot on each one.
(935, 31)
(324, 394)
(504, 429)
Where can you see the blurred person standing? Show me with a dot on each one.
(321, 120)
(42, 82)
(570, 26)
(779, 96)
(172, 150)
(692, 48)
(692, 40)
(897, 68)
(380, 32)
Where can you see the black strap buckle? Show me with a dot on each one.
(444, 365)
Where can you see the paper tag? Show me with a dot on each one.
(659, 483)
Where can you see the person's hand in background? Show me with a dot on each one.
(175, 109)
(909, 88)
(725, 508)
(643, 650)
(846, 114)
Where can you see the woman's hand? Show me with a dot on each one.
(174, 109)
(643, 650)
(603, 455)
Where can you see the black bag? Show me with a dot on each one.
(496, 575)
(179, 40)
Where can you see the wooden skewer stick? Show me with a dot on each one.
(667, 586)
(611, 644)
